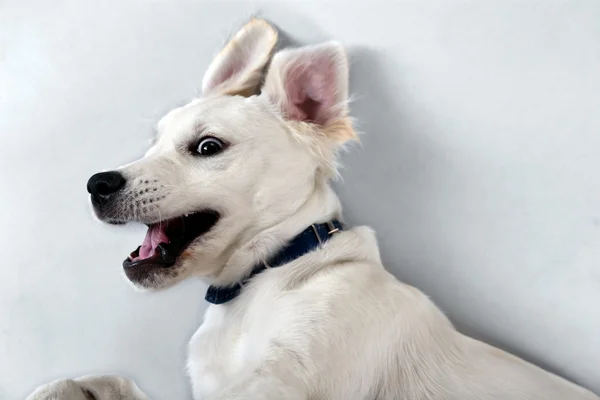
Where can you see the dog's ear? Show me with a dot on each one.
(310, 84)
(239, 68)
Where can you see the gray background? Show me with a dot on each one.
(479, 170)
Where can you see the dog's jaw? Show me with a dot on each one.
(167, 245)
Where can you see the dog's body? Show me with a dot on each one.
(335, 325)
(253, 169)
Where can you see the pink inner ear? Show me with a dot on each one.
(311, 90)
(228, 71)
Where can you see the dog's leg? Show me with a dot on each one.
(93, 387)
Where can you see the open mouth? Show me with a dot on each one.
(166, 240)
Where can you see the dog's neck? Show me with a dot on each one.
(321, 205)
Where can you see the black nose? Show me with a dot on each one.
(104, 185)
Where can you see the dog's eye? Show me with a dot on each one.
(209, 146)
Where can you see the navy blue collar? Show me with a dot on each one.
(308, 240)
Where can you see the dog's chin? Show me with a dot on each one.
(160, 260)
(154, 278)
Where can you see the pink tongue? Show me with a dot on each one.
(155, 236)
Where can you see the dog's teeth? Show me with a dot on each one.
(162, 251)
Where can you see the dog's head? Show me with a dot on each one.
(241, 158)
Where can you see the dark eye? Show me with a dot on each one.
(209, 146)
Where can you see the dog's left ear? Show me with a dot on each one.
(310, 85)
(239, 68)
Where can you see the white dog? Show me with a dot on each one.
(235, 190)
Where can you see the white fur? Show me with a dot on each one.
(333, 324)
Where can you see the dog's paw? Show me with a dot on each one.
(91, 387)
(63, 389)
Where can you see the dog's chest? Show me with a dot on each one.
(224, 348)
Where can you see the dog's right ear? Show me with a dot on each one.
(310, 85)
(239, 68)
